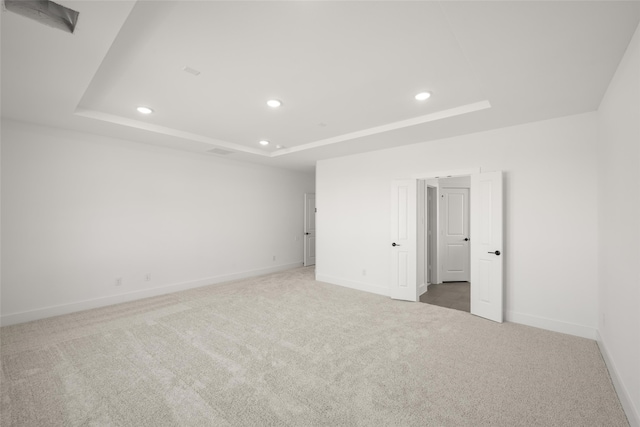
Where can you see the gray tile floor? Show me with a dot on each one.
(450, 294)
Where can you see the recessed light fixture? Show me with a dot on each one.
(274, 103)
(144, 110)
(264, 142)
(422, 96)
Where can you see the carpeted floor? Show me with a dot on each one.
(285, 350)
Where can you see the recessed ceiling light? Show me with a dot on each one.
(423, 96)
(264, 142)
(144, 110)
(274, 103)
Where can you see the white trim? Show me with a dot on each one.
(163, 130)
(632, 412)
(446, 174)
(551, 325)
(438, 115)
(57, 310)
(138, 124)
(359, 286)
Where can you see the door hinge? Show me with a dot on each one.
(315, 210)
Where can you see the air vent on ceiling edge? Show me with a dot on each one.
(219, 151)
(46, 12)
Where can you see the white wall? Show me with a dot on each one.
(80, 210)
(550, 196)
(619, 229)
(455, 182)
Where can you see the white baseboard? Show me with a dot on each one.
(422, 289)
(632, 412)
(353, 285)
(524, 319)
(41, 313)
(551, 325)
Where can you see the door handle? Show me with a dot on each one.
(466, 239)
(495, 253)
(306, 234)
(395, 244)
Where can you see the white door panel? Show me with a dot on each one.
(456, 258)
(486, 246)
(309, 229)
(456, 204)
(404, 240)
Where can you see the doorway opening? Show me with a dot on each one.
(408, 282)
(445, 258)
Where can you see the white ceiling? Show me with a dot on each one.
(345, 71)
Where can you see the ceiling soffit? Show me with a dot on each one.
(343, 70)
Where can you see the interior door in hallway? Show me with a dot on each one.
(455, 234)
(403, 284)
(309, 229)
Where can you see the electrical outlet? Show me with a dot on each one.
(147, 277)
(274, 257)
(119, 281)
(364, 272)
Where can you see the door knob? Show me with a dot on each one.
(306, 234)
(466, 239)
(395, 244)
(496, 253)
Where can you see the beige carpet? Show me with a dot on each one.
(285, 350)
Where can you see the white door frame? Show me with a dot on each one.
(431, 214)
(428, 238)
(446, 174)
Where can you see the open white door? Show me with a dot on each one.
(486, 245)
(309, 229)
(455, 235)
(403, 240)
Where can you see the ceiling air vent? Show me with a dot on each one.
(46, 12)
(219, 151)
